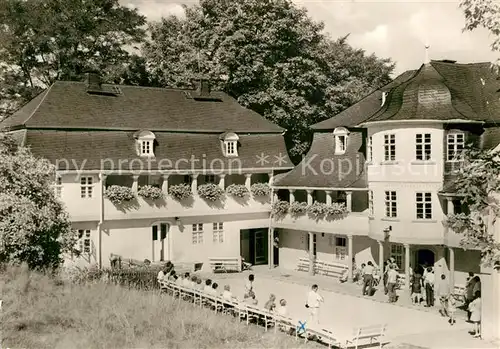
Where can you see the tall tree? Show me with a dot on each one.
(270, 55)
(46, 40)
(485, 14)
(478, 181)
(34, 227)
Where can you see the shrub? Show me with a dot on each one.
(118, 194)
(150, 192)
(180, 191)
(317, 209)
(210, 191)
(298, 208)
(335, 209)
(260, 189)
(280, 208)
(238, 190)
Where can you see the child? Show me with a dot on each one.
(270, 304)
(208, 286)
(282, 310)
(171, 275)
(199, 284)
(214, 289)
(452, 308)
(250, 298)
(227, 294)
(187, 281)
(180, 280)
(249, 284)
(475, 316)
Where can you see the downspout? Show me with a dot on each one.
(102, 180)
(270, 231)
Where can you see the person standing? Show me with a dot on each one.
(387, 265)
(443, 292)
(392, 279)
(313, 302)
(429, 287)
(475, 309)
(368, 279)
(416, 287)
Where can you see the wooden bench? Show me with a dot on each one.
(225, 264)
(331, 268)
(322, 335)
(375, 332)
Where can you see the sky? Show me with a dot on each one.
(396, 29)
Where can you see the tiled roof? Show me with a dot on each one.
(321, 168)
(445, 91)
(366, 107)
(68, 105)
(490, 138)
(71, 150)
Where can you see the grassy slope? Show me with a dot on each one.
(39, 312)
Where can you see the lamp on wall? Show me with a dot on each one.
(387, 232)
(179, 223)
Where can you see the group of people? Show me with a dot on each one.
(209, 287)
(370, 276)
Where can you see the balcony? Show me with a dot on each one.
(352, 223)
(140, 208)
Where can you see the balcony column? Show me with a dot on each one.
(381, 256)
(194, 184)
(328, 197)
(248, 181)
(407, 265)
(222, 181)
(270, 249)
(164, 184)
(451, 207)
(102, 188)
(350, 256)
(309, 196)
(348, 200)
(312, 260)
(271, 178)
(292, 195)
(452, 269)
(135, 184)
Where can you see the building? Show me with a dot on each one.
(131, 137)
(391, 158)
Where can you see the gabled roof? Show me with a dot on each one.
(363, 109)
(68, 105)
(322, 168)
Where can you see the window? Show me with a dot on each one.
(370, 202)
(423, 146)
(314, 244)
(145, 143)
(58, 187)
(340, 248)
(390, 147)
(369, 149)
(188, 179)
(424, 205)
(340, 135)
(218, 230)
(230, 143)
(455, 145)
(84, 241)
(391, 209)
(398, 254)
(210, 179)
(86, 187)
(198, 233)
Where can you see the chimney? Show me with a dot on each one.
(203, 87)
(93, 81)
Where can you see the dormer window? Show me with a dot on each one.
(341, 134)
(230, 143)
(145, 143)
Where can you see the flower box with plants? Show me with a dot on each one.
(238, 190)
(210, 192)
(260, 189)
(280, 208)
(335, 209)
(180, 191)
(298, 208)
(118, 194)
(317, 209)
(149, 192)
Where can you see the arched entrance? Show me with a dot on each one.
(160, 241)
(425, 257)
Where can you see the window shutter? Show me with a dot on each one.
(155, 232)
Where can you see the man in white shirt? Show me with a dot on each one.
(313, 301)
(392, 279)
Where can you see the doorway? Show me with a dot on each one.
(254, 245)
(425, 257)
(160, 246)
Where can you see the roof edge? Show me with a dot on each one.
(129, 129)
(412, 121)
